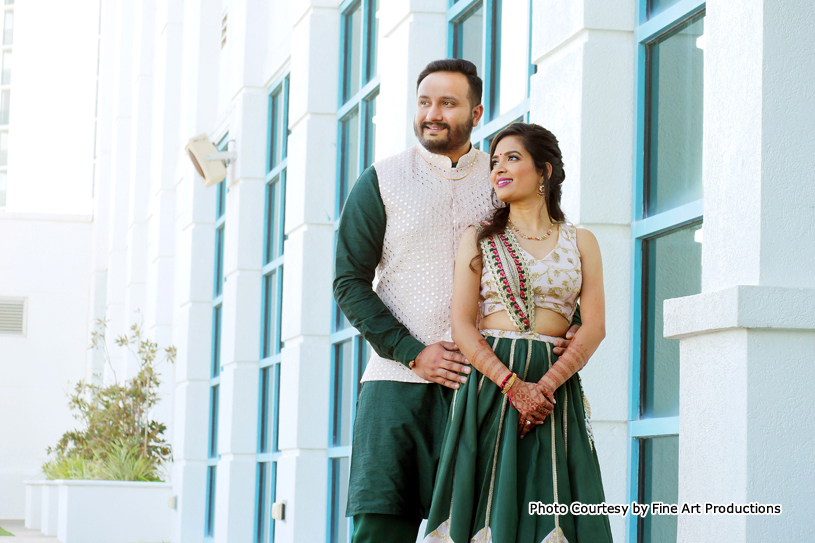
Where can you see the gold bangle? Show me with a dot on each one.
(509, 384)
(412, 363)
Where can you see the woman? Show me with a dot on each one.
(519, 430)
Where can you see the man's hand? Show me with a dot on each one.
(562, 344)
(442, 363)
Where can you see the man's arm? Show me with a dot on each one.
(359, 249)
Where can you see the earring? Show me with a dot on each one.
(541, 190)
(496, 203)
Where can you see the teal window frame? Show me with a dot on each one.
(268, 451)
(215, 358)
(644, 228)
(341, 392)
(492, 122)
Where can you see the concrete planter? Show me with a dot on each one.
(33, 504)
(99, 511)
(49, 507)
(113, 512)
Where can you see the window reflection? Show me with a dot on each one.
(675, 97)
(672, 268)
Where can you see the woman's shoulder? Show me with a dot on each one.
(586, 240)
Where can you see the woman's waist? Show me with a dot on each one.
(515, 334)
(547, 322)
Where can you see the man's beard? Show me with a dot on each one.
(457, 136)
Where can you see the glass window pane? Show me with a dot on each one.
(220, 197)
(339, 497)
(350, 154)
(275, 391)
(3, 188)
(343, 368)
(267, 475)
(469, 38)
(674, 138)
(353, 52)
(659, 475)
(212, 472)
(213, 422)
(672, 268)
(8, 28)
(267, 384)
(656, 7)
(262, 512)
(271, 313)
(216, 342)
(219, 260)
(373, 42)
(6, 79)
(5, 99)
(279, 130)
(512, 70)
(370, 134)
(3, 148)
(274, 241)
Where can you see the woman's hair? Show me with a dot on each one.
(542, 145)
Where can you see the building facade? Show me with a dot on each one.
(684, 127)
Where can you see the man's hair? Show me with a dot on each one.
(458, 66)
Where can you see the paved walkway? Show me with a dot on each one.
(23, 534)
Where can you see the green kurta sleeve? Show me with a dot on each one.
(359, 249)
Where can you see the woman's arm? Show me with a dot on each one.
(466, 285)
(593, 313)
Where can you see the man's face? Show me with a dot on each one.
(444, 116)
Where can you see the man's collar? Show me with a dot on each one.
(443, 161)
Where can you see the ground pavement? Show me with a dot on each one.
(23, 534)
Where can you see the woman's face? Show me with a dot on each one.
(513, 174)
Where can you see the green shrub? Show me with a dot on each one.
(119, 441)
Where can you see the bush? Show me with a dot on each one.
(119, 440)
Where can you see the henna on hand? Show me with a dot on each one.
(485, 360)
(572, 361)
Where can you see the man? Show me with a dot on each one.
(403, 219)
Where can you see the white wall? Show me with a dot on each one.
(53, 93)
(46, 259)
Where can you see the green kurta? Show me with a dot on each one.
(359, 250)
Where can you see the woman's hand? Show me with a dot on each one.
(530, 402)
(546, 388)
(527, 423)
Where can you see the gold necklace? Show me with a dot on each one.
(450, 178)
(539, 238)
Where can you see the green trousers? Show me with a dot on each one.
(376, 528)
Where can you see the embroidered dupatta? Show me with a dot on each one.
(501, 255)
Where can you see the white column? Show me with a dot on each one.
(583, 92)
(193, 266)
(745, 341)
(411, 36)
(121, 149)
(139, 171)
(165, 154)
(310, 196)
(245, 204)
(95, 362)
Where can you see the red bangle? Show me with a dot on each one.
(504, 382)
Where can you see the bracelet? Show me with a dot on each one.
(506, 385)
(412, 363)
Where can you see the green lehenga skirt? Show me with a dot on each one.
(487, 476)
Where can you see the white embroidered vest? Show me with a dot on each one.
(426, 216)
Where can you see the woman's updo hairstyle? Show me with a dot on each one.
(543, 147)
